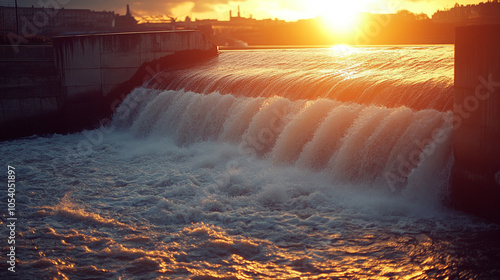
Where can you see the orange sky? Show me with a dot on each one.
(292, 10)
(289, 10)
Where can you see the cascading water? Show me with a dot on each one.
(414, 77)
(259, 164)
(350, 142)
(364, 115)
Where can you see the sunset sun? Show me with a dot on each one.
(339, 16)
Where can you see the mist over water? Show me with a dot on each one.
(259, 164)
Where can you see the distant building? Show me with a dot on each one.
(47, 22)
(125, 22)
(239, 19)
(488, 12)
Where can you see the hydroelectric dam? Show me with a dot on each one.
(79, 81)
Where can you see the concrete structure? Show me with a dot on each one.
(91, 63)
(29, 89)
(476, 139)
(97, 71)
(89, 76)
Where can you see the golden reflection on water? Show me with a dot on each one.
(203, 251)
(210, 252)
(361, 258)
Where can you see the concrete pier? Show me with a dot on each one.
(98, 71)
(81, 79)
(476, 138)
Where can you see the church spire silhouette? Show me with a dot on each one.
(128, 11)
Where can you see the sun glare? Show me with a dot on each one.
(339, 15)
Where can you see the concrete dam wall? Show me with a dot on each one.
(29, 89)
(476, 137)
(88, 76)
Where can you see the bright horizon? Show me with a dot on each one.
(340, 12)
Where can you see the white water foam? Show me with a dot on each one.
(390, 149)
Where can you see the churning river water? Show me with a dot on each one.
(258, 164)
